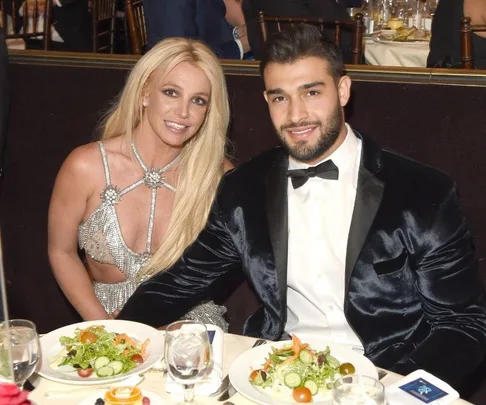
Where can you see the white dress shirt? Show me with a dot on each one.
(319, 215)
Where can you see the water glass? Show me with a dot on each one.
(24, 346)
(358, 390)
(187, 354)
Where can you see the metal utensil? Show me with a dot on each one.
(229, 391)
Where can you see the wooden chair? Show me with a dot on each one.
(355, 25)
(466, 41)
(136, 26)
(32, 20)
(103, 14)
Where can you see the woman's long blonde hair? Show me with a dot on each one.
(201, 159)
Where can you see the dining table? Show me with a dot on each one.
(153, 381)
(394, 53)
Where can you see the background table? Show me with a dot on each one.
(399, 54)
(234, 345)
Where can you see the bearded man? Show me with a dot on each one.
(340, 239)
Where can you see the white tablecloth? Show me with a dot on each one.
(396, 54)
(234, 345)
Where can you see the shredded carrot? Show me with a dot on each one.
(126, 338)
(296, 347)
(267, 364)
(143, 349)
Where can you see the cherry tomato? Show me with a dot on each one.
(88, 337)
(254, 374)
(137, 358)
(302, 394)
(85, 372)
(146, 401)
(346, 368)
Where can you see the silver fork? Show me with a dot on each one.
(226, 389)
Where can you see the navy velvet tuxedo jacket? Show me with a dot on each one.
(413, 293)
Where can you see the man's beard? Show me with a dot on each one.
(304, 152)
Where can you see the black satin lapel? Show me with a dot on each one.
(368, 199)
(277, 217)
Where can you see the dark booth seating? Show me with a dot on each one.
(438, 118)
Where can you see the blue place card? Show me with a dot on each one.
(423, 390)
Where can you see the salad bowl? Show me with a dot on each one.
(52, 351)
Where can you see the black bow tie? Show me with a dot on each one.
(326, 170)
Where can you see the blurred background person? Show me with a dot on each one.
(445, 43)
(216, 22)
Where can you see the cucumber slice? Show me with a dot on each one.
(105, 371)
(292, 380)
(116, 365)
(312, 386)
(100, 362)
(305, 357)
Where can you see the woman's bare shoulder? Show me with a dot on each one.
(85, 159)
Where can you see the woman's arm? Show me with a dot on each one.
(68, 205)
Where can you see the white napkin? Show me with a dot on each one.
(211, 382)
(419, 388)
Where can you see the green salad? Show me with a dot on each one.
(299, 372)
(96, 350)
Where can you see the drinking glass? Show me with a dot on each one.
(24, 346)
(187, 354)
(358, 390)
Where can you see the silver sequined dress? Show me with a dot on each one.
(101, 238)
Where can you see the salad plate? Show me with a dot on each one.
(154, 398)
(254, 358)
(52, 351)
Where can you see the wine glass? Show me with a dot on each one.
(358, 390)
(187, 354)
(24, 347)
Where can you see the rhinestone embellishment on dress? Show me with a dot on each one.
(110, 195)
(153, 178)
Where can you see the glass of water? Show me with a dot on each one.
(24, 346)
(187, 354)
(358, 390)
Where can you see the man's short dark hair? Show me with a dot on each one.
(302, 41)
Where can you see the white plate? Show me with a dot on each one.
(254, 359)
(50, 347)
(154, 398)
(418, 42)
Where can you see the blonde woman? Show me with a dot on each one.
(134, 201)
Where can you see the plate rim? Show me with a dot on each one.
(274, 401)
(47, 354)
